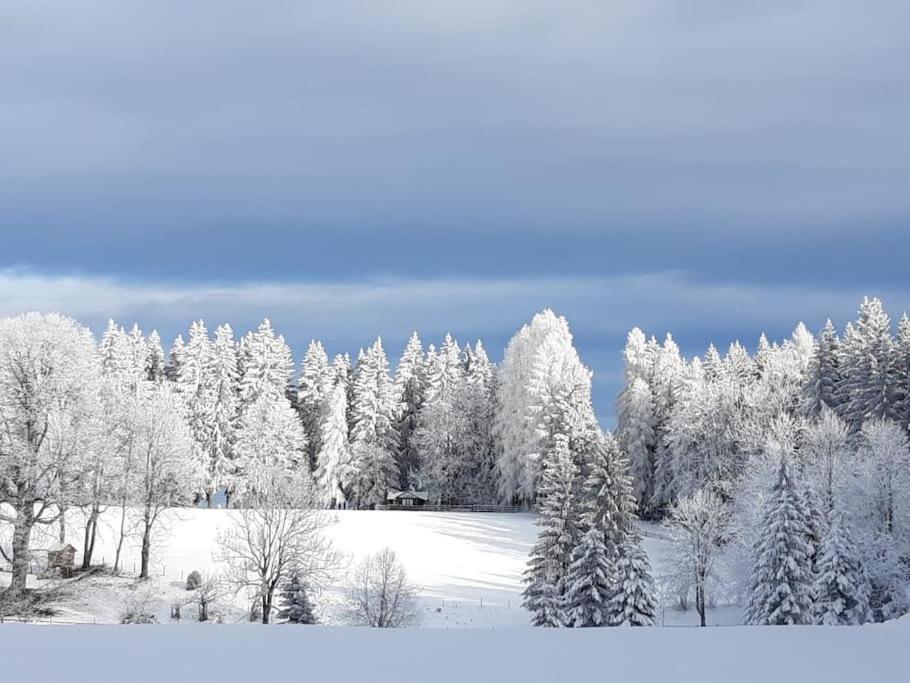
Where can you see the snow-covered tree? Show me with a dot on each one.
(827, 456)
(410, 384)
(269, 438)
(632, 599)
(589, 583)
(542, 378)
(782, 577)
(192, 384)
(700, 527)
(551, 555)
(372, 417)
(265, 364)
(295, 605)
(313, 389)
(869, 381)
(885, 476)
(636, 418)
(48, 386)
(824, 374)
(841, 585)
(278, 533)
(334, 466)
(222, 403)
(162, 468)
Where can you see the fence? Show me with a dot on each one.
(456, 508)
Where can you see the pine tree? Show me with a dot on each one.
(824, 374)
(265, 364)
(869, 381)
(410, 385)
(637, 435)
(782, 576)
(313, 389)
(589, 583)
(841, 586)
(902, 373)
(223, 383)
(193, 387)
(154, 364)
(374, 441)
(296, 607)
(334, 466)
(632, 601)
(551, 555)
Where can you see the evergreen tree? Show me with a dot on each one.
(632, 601)
(637, 434)
(841, 586)
(313, 389)
(824, 374)
(154, 364)
(782, 575)
(410, 385)
(550, 556)
(295, 604)
(902, 373)
(223, 384)
(869, 381)
(374, 441)
(265, 364)
(334, 466)
(589, 583)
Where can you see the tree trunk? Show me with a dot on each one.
(208, 499)
(700, 603)
(22, 532)
(91, 533)
(146, 550)
(62, 535)
(122, 534)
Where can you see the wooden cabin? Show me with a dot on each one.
(61, 559)
(409, 498)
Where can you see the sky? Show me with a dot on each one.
(354, 169)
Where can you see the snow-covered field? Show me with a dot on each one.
(152, 654)
(468, 565)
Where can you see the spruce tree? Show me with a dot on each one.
(410, 386)
(632, 597)
(589, 583)
(295, 604)
(869, 380)
(782, 576)
(313, 389)
(841, 585)
(820, 389)
(551, 555)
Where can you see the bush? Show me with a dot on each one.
(193, 581)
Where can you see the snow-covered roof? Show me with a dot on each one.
(59, 547)
(398, 495)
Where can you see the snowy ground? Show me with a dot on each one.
(468, 565)
(152, 654)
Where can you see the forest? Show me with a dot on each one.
(787, 465)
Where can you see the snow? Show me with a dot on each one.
(152, 654)
(468, 565)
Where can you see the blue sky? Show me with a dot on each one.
(351, 168)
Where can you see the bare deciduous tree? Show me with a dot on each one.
(379, 593)
(278, 531)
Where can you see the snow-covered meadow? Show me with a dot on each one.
(468, 565)
(748, 654)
